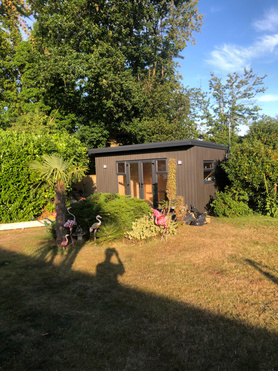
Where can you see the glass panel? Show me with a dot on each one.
(161, 165)
(134, 180)
(208, 175)
(161, 185)
(208, 171)
(122, 184)
(121, 167)
(207, 165)
(147, 177)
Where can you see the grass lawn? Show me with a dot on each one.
(205, 300)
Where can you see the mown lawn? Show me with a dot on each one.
(205, 300)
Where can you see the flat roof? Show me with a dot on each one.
(156, 145)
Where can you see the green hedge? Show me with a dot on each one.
(21, 198)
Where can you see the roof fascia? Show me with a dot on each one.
(155, 146)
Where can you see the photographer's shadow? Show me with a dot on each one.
(107, 272)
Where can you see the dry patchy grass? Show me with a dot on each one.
(206, 299)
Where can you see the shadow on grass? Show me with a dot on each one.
(56, 319)
(264, 272)
(48, 251)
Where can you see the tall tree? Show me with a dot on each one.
(13, 14)
(232, 104)
(89, 64)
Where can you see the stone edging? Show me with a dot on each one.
(21, 225)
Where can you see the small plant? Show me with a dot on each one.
(145, 228)
(180, 209)
(109, 232)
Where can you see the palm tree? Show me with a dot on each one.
(59, 173)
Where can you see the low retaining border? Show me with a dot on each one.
(21, 225)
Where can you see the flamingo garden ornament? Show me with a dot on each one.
(65, 243)
(160, 219)
(95, 226)
(70, 223)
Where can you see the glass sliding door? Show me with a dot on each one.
(161, 187)
(122, 182)
(134, 179)
(147, 182)
(145, 179)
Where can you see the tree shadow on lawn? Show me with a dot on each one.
(48, 251)
(264, 272)
(57, 319)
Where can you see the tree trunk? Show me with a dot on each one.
(60, 207)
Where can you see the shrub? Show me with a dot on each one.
(145, 228)
(114, 209)
(125, 210)
(252, 166)
(230, 203)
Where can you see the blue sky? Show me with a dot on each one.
(236, 34)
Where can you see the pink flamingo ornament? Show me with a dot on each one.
(65, 243)
(160, 219)
(70, 223)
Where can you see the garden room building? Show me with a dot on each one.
(140, 170)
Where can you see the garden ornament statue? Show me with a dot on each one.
(95, 226)
(70, 224)
(65, 243)
(79, 233)
(160, 219)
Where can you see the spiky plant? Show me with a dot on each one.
(171, 186)
(58, 173)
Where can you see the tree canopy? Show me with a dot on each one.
(106, 71)
(230, 104)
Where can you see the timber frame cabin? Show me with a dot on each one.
(140, 170)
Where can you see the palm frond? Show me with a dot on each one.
(52, 168)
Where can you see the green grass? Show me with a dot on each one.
(205, 300)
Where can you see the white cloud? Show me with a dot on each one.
(230, 58)
(268, 98)
(269, 22)
(216, 9)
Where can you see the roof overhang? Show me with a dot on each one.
(174, 144)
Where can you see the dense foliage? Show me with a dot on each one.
(114, 209)
(145, 228)
(106, 71)
(230, 204)
(21, 197)
(252, 168)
